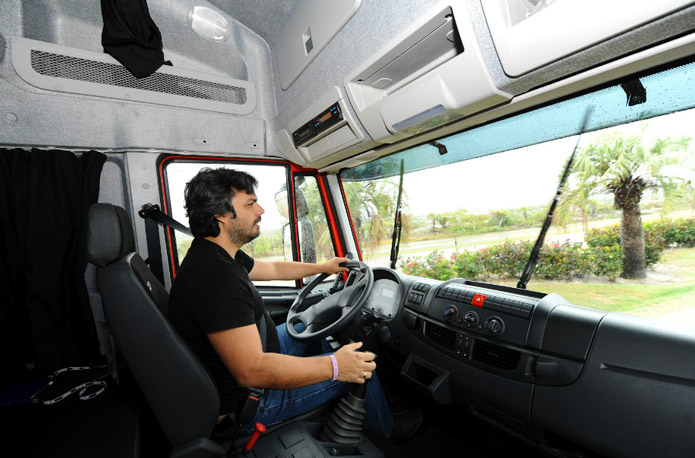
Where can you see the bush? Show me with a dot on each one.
(675, 233)
(654, 245)
(604, 261)
(508, 259)
(434, 265)
(655, 237)
(562, 261)
(466, 265)
(601, 256)
(603, 236)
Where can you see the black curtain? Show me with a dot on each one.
(45, 317)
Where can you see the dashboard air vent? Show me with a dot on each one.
(441, 336)
(494, 355)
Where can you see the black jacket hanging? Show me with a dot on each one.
(131, 36)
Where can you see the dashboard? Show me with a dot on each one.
(546, 371)
(494, 328)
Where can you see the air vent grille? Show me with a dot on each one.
(75, 68)
(441, 336)
(496, 356)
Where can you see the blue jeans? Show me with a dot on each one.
(280, 405)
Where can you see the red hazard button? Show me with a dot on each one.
(478, 300)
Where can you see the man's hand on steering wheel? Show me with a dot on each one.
(354, 366)
(335, 313)
(333, 266)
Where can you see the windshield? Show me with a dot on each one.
(475, 211)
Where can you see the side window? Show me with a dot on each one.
(275, 242)
(272, 180)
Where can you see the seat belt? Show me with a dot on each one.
(153, 212)
(262, 330)
(253, 399)
(153, 216)
(231, 422)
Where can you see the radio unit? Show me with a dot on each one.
(317, 127)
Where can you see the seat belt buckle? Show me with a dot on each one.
(253, 400)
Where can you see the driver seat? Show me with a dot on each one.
(177, 387)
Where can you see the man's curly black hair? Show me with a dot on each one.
(210, 193)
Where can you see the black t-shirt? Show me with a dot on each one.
(212, 292)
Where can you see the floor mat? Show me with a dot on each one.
(105, 426)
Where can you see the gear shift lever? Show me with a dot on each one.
(344, 426)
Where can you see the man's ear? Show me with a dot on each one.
(220, 218)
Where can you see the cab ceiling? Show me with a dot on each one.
(51, 118)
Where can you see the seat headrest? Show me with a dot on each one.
(110, 234)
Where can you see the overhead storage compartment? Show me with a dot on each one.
(429, 76)
(309, 29)
(529, 34)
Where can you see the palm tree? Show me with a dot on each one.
(372, 206)
(500, 217)
(433, 217)
(623, 167)
(575, 200)
(443, 218)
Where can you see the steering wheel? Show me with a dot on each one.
(333, 314)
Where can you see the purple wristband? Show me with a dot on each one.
(335, 368)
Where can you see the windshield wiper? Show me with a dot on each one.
(397, 223)
(533, 258)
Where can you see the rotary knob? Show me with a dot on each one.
(450, 313)
(471, 319)
(494, 326)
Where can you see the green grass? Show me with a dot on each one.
(621, 298)
(671, 288)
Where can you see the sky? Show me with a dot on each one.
(498, 181)
(522, 177)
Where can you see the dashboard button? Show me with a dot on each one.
(478, 300)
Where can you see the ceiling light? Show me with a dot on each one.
(209, 24)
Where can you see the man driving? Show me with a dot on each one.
(217, 309)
